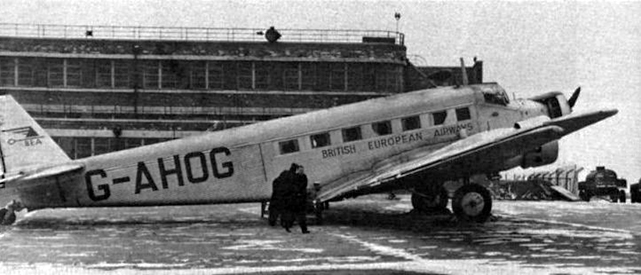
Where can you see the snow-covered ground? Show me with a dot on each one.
(369, 235)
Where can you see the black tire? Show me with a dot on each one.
(634, 193)
(614, 197)
(472, 203)
(431, 203)
(622, 197)
(7, 221)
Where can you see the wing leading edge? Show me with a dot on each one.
(479, 153)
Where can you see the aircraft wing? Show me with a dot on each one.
(483, 152)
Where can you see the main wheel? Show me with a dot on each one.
(430, 201)
(635, 196)
(622, 197)
(9, 220)
(473, 203)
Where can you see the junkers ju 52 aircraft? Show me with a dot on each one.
(412, 141)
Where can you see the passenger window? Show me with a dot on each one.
(411, 123)
(439, 117)
(352, 134)
(382, 128)
(288, 147)
(320, 140)
(463, 114)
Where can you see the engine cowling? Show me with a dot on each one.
(546, 154)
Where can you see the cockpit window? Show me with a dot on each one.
(495, 95)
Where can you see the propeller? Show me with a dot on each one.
(574, 97)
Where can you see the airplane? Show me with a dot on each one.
(413, 141)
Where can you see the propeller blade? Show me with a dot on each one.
(574, 97)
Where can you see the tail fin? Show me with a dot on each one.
(23, 143)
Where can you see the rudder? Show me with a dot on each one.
(23, 143)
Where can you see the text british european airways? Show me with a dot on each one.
(195, 167)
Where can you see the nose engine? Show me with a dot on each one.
(556, 104)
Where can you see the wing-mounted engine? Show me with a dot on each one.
(546, 154)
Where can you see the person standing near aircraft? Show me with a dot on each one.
(7, 214)
(279, 195)
(299, 200)
(288, 203)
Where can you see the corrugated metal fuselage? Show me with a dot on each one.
(238, 165)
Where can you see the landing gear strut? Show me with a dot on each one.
(430, 201)
(472, 202)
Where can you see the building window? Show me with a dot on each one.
(215, 76)
(337, 77)
(411, 123)
(439, 117)
(74, 72)
(7, 71)
(149, 141)
(102, 146)
(369, 77)
(83, 147)
(55, 72)
(151, 75)
(122, 73)
(288, 147)
(322, 76)
(308, 76)
(245, 76)
(132, 142)
(171, 74)
(463, 114)
(355, 77)
(103, 73)
(290, 76)
(262, 71)
(26, 72)
(198, 75)
(320, 140)
(382, 128)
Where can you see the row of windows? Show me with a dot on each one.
(211, 75)
(381, 128)
(82, 147)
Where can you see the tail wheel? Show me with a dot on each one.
(473, 203)
(430, 201)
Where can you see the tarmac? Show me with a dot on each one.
(368, 235)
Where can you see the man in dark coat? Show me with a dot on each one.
(279, 195)
(299, 198)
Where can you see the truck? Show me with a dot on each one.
(603, 183)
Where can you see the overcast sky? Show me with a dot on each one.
(527, 47)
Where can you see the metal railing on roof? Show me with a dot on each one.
(193, 33)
